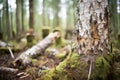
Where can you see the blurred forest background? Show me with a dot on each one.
(18, 16)
(25, 22)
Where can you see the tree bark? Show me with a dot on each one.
(37, 49)
(92, 31)
(92, 26)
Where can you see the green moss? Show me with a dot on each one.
(30, 40)
(45, 31)
(102, 68)
(60, 55)
(34, 61)
(108, 57)
(60, 72)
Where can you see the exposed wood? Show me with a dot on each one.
(37, 49)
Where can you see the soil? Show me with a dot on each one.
(30, 72)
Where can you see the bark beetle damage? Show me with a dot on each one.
(92, 35)
(95, 33)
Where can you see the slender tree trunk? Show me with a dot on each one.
(8, 21)
(18, 17)
(31, 9)
(56, 18)
(4, 24)
(92, 30)
(0, 23)
(22, 7)
(43, 18)
(114, 20)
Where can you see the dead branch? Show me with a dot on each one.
(89, 74)
(11, 53)
(6, 69)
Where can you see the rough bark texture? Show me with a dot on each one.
(37, 49)
(92, 26)
(92, 31)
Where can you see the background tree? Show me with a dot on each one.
(18, 17)
(23, 14)
(31, 9)
(56, 13)
(44, 12)
(1, 22)
(114, 18)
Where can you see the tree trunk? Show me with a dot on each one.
(56, 18)
(31, 9)
(4, 23)
(9, 30)
(92, 30)
(18, 17)
(23, 11)
(92, 27)
(36, 50)
(43, 17)
(114, 20)
(0, 21)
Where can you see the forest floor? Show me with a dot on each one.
(31, 72)
(71, 69)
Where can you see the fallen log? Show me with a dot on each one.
(6, 69)
(37, 49)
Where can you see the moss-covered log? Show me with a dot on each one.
(6, 69)
(37, 49)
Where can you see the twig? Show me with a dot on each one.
(89, 74)
(24, 76)
(11, 52)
